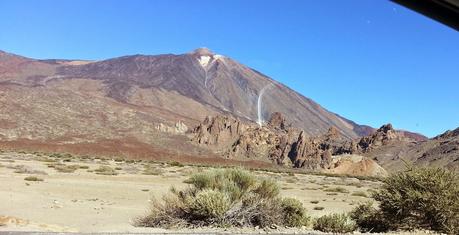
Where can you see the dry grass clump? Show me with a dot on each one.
(21, 169)
(149, 170)
(32, 178)
(45, 159)
(359, 194)
(336, 190)
(105, 170)
(335, 223)
(177, 164)
(229, 197)
(419, 198)
(62, 168)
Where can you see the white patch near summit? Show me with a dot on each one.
(204, 60)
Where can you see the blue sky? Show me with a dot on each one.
(373, 62)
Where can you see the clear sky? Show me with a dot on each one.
(371, 61)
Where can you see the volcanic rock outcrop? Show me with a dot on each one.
(277, 142)
(383, 136)
(395, 152)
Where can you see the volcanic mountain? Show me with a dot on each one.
(139, 105)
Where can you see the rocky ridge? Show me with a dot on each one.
(281, 144)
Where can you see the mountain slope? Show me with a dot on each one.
(440, 151)
(142, 98)
(216, 81)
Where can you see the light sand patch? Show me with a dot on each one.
(87, 202)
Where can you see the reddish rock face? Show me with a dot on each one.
(218, 131)
(276, 142)
(278, 121)
(383, 136)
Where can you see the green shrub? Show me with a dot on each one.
(421, 198)
(359, 194)
(233, 182)
(335, 223)
(105, 170)
(177, 164)
(225, 197)
(32, 178)
(369, 219)
(294, 213)
(65, 168)
(267, 189)
(209, 204)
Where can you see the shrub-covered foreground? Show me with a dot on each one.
(419, 198)
(416, 199)
(335, 223)
(229, 197)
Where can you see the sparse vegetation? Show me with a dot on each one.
(369, 219)
(421, 198)
(337, 190)
(149, 170)
(315, 202)
(45, 159)
(335, 223)
(318, 208)
(32, 178)
(66, 168)
(105, 170)
(177, 164)
(359, 194)
(21, 169)
(226, 197)
(291, 180)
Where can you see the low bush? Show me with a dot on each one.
(418, 198)
(225, 197)
(32, 178)
(369, 219)
(66, 168)
(152, 171)
(335, 223)
(177, 164)
(421, 198)
(337, 190)
(359, 194)
(105, 170)
(293, 212)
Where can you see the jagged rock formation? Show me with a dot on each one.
(441, 151)
(276, 142)
(383, 136)
(218, 131)
(279, 143)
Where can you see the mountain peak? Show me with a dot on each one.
(202, 51)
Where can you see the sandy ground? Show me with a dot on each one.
(84, 201)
